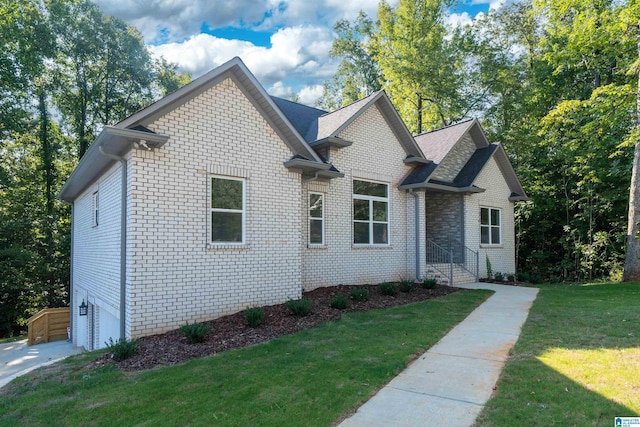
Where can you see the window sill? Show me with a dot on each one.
(371, 247)
(228, 246)
(485, 246)
(325, 247)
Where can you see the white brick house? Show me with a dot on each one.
(219, 197)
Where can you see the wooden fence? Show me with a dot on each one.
(48, 325)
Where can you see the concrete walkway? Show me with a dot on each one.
(450, 383)
(17, 358)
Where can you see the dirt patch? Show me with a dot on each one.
(231, 332)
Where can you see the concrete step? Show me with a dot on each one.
(440, 272)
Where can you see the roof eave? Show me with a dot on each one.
(116, 141)
(519, 198)
(330, 141)
(450, 189)
(414, 160)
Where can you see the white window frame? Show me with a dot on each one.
(310, 218)
(491, 226)
(370, 221)
(243, 212)
(95, 209)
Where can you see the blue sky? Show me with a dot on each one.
(285, 43)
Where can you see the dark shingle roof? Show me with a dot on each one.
(419, 174)
(302, 117)
(474, 165)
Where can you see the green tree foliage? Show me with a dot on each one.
(358, 74)
(60, 59)
(103, 70)
(547, 78)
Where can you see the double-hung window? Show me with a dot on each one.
(227, 210)
(370, 213)
(316, 219)
(490, 232)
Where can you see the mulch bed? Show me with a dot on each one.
(231, 331)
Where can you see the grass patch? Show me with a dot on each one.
(576, 362)
(13, 339)
(310, 378)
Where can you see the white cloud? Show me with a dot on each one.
(310, 94)
(459, 19)
(280, 90)
(300, 53)
(177, 19)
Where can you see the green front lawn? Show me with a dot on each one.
(577, 361)
(311, 378)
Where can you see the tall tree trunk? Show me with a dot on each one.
(419, 113)
(48, 169)
(632, 255)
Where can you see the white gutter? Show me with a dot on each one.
(123, 239)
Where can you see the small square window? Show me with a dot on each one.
(490, 230)
(370, 213)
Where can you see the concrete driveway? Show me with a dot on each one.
(17, 358)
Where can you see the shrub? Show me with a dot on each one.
(429, 283)
(195, 332)
(489, 268)
(299, 307)
(511, 277)
(122, 349)
(359, 295)
(405, 285)
(498, 277)
(254, 316)
(340, 302)
(388, 288)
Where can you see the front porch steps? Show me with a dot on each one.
(440, 272)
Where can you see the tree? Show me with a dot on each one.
(103, 70)
(358, 74)
(632, 255)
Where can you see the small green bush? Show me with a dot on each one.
(195, 332)
(340, 302)
(489, 268)
(388, 288)
(498, 277)
(405, 285)
(359, 294)
(299, 307)
(122, 349)
(254, 316)
(429, 283)
(511, 277)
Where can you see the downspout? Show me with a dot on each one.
(123, 239)
(416, 205)
(71, 300)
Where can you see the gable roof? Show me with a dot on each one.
(439, 143)
(248, 84)
(119, 139)
(330, 125)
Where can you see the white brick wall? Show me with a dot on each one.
(174, 276)
(374, 148)
(496, 196)
(96, 263)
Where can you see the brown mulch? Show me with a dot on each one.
(231, 332)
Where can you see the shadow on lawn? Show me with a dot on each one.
(576, 362)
